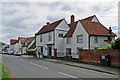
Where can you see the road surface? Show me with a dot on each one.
(29, 67)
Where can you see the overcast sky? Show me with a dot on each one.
(26, 18)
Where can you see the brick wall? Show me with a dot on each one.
(93, 56)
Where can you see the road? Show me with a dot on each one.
(29, 67)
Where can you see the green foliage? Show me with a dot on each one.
(116, 44)
(3, 72)
(108, 47)
(31, 52)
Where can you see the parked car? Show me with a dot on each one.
(4, 52)
(10, 52)
(17, 53)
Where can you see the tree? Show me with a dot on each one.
(116, 44)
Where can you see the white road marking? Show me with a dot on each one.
(22, 60)
(38, 65)
(67, 75)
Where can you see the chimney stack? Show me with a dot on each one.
(110, 34)
(72, 18)
(47, 23)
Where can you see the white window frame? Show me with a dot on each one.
(68, 40)
(79, 40)
(95, 39)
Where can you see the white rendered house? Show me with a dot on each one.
(67, 39)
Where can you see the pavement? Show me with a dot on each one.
(103, 69)
(31, 67)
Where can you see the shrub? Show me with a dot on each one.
(108, 47)
(31, 52)
(116, 44)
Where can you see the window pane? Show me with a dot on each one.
(95, 39)
(80, 39)
(68, 40)
(60, 35)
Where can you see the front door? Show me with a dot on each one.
(50, 51)
(68, 51)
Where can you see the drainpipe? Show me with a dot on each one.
(89, 41)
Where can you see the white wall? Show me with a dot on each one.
(95, 19)
(58, 42)
(11, 47)
(24, 50)
(78, 31)
(16, 47)
(101, 43)
(45, 41)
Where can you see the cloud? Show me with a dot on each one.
(26, 18)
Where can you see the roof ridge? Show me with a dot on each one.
(47, 28)
(89, 18)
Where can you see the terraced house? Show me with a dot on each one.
(66, 39)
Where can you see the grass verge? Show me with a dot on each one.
(3, 72)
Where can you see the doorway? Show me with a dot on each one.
(50, 51)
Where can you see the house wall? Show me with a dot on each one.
(62, 28)
(11, 47)
(45, 41)
(16, 47)
(20, 46)
(95, 19)
(24, 50)
(57, 42)
(101, 43)
(74, 45)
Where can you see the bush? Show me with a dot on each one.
(108, 47)
(116, 44)
(31, 52)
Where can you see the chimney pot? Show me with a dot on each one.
(47, 23)
(72, 18)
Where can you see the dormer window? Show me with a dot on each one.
(60, 35)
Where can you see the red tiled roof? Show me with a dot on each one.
(13, 41)
(49, 27)
(92, 28)
(95, 28)
(22, 39)
(28, 40)
(72, 29)
(89, 18)
(108, 41)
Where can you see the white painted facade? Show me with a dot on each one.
(60, 44)
(74, 45)
(56, 41)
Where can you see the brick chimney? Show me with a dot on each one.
(110, 34)
(72, 18)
